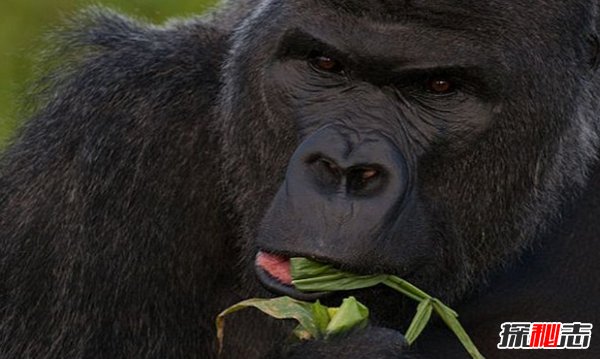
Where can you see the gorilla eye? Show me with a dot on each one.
(440, 86)
(325, 63)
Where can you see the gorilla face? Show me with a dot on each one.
(402, 138)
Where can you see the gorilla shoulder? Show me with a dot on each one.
(119, 138)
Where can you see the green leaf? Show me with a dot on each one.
(351, 314)
(452, 322)
(303, 268)
(400, 286)
(332, 311)
(321, 316)
(419, 321)
(317, 321)
(337, 282)
(280, 308)
(406, 288)
(301, 333)
(311, 276)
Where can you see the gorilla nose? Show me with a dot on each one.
(343, 190)
(339, 160)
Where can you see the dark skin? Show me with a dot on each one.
(452, 143)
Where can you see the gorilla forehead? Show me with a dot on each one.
(479, 15)
(491, 29)
(397, 30)
(401, 9)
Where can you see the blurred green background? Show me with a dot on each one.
(23, 22)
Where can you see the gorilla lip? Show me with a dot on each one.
(277, 266)
(275, 274)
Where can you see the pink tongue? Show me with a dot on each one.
(276, 266)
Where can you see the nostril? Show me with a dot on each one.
(329, 165)
(364, 179)
(368, 174)
(358, 180)
(325, 169)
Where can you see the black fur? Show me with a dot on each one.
(132, 199)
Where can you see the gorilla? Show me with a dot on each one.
(167, 172)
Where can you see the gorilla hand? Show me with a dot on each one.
(370, 343)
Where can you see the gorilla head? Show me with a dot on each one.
(430, 139)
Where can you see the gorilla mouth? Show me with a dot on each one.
(277, 266)
(274, 273)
